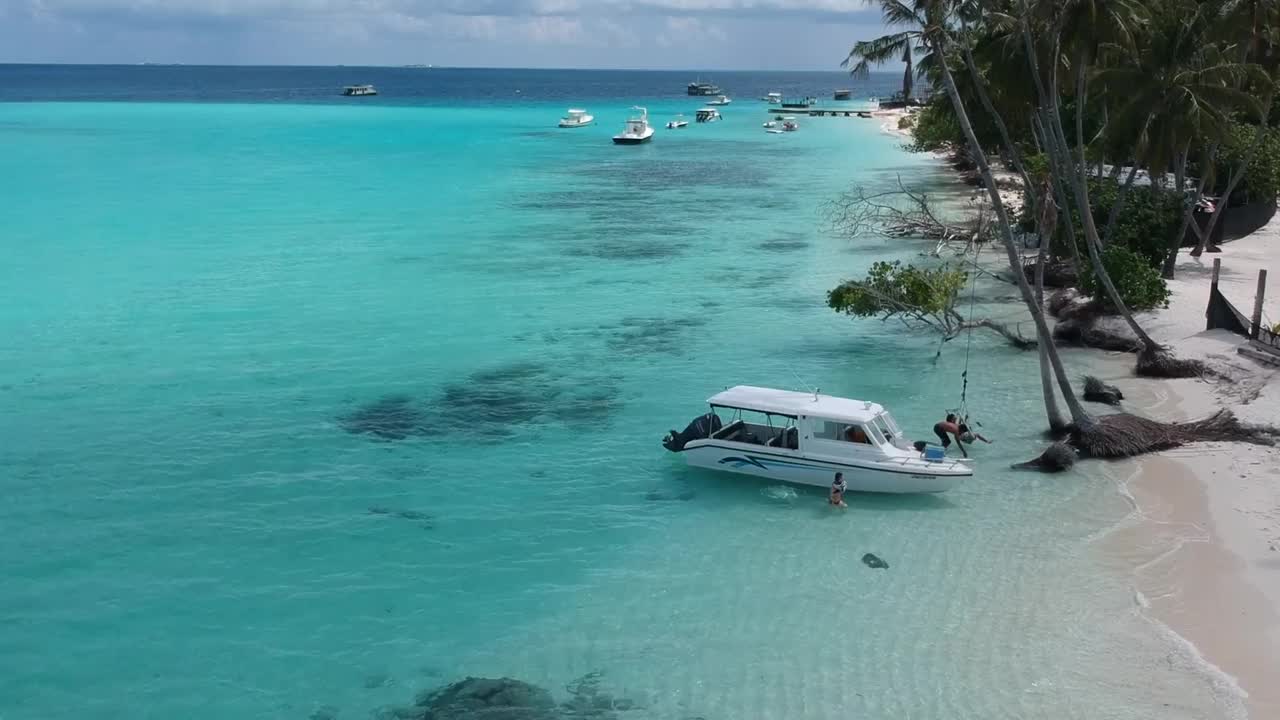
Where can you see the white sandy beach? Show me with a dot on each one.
(1220, 583)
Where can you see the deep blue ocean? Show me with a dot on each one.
(310, 403)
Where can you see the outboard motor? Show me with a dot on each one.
(702, 427)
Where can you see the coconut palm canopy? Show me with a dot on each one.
(904, 44)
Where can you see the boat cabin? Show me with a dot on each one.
(706, 115)
(801, 421)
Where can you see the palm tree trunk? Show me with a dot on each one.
(1078, 414)
(1010, 150)
(908, 77)
(1079, 182)
(1175, 244)
(1234, 180)
(1054, 414)
(1116, 207)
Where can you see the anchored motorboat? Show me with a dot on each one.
(706, 115)
(637, 129)
(720, 101)
(806, 438)
(773, 98)
(359, 90)
(789, 124)
(576, 118)
(677, 122)
(701, 88)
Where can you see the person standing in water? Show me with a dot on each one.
(947, 428)
(836, 497)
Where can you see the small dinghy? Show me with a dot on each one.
(806, 438)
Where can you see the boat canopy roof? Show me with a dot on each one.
(787, 402)
(576, 111)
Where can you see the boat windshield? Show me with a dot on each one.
(885, 422)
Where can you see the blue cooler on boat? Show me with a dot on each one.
(934, 453)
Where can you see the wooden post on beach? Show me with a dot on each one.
(1213, 289)
(1256, 321)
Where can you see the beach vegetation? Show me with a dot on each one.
(921, 298)
(935, 129)
(1135, 277)
(1068, 71)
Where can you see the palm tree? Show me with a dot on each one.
(1182, 88)
(903, 45)
(936, 36)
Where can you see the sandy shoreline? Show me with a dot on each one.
(1205, 547)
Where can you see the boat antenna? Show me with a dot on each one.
(812, 388)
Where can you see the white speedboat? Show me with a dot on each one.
(770, 124)
(576, 118)
(359, 90)
(706, 115)
(806, 438)
(637, 129)
(773, 98)
(789, 124)
(722, 100)
(677, 122)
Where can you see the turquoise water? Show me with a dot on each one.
(199, 301)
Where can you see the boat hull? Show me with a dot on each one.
(795, 468)
(631, 140)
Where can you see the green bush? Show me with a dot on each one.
(1138, 282)
(1149, 220)
(892, 286)
(1262, 179)
(936, 128)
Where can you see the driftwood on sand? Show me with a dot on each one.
(1056, 458)
(1124, 435)
(1097, 391)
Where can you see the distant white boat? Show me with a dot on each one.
(807, 438)
(789, 124)
(771, 124)
(706, 115)
(359, 90)
(576, 118)
(637, 129)
(722, 100)
(773, 98)
(677, 122)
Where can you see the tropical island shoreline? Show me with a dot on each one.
(1202, 543)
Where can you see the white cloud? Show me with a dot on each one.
(688, 30)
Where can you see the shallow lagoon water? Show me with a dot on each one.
(308, 407)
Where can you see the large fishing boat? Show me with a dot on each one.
(701, 88)
(806, 438)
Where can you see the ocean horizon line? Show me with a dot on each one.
(428, 66)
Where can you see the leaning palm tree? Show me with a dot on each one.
(902, 45)
(1109, 436)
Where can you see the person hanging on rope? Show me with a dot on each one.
(947, 428)
(967, 434)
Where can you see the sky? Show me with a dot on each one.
(658, 34)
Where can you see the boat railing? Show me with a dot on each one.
(949, 463)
